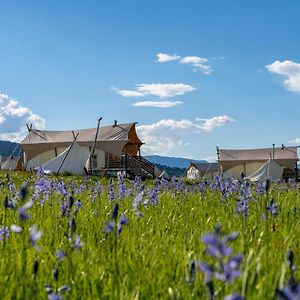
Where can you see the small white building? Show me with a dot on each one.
(202, 170)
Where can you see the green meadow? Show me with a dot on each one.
(71, 245)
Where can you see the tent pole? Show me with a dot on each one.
(218, 154)
(75, 137)
(273, 151)
(94, 145)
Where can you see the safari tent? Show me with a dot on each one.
(248, 161)
(113, 147)
(202, 170)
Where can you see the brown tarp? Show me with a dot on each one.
(286, 157)
(111, 139)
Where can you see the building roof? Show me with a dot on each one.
(110, 138)
(258, 154)
(205, 167)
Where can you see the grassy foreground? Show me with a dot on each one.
(156, 250)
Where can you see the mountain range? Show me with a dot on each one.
(175, 162)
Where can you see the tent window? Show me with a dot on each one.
(94, 162)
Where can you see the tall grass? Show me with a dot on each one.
(150, 258)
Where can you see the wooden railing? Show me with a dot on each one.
(138, 165)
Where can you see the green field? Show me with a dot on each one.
(151, 257)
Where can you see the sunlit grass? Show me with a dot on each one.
(152, 255)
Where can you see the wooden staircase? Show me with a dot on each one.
(132, 165)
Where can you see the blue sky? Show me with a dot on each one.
(193, 74)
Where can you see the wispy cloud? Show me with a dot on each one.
(196, 62)
(160, 104)
(160, 90)
(165, 135)
(288, 69)
(164, 57)
(295, 141)
(13, 119)
(210, 124)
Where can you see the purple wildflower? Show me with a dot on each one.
(22, 211)
(4, 233)
(77, 243)
(60, 255)
(226, 265)
(109, 226)
(23, 190)
(272, 208)
(15, 228)
(34, 236)
(122, 222)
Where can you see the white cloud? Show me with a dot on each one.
(160, 104)
(198, 64)
(13, 119)
(210, 124)
(161, 90)
(164, 57)
(295, 141)
(288, 69)
(128, 93)
(165, 135)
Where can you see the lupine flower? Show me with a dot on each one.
(23, 190)
(122, 187)
(226, 266)
(4, 233)
(77, 205)
(260, 188)
(109, 226)
(69, 201)
(153, 197)
(99, 187)
(34, 235)
(290, 292)
(16, 228)
(272, 208)
(72, 225)
(8, 204)
(77, 243)
(137, 200)
(22, 211)
(60, 255)
(56, 296)
(111, 194)
(122, 222)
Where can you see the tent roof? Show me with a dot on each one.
(288, 153)
(106, 133)
(110, 138)
(206, 167)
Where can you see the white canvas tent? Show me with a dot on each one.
(233, 162)
(10, 163)
(270, 170)
(72, 160)
(40, 146)
(204, 170)
(164, 174)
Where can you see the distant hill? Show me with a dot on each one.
(175, 162)
(6, 148)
